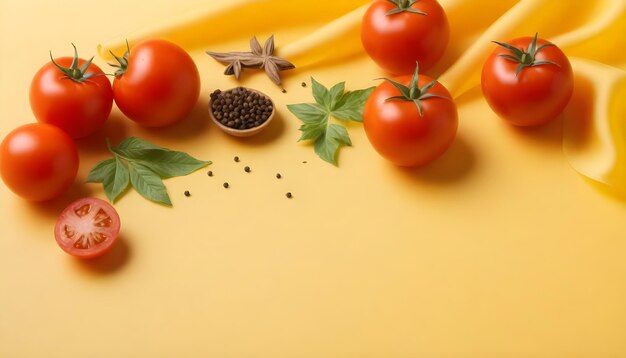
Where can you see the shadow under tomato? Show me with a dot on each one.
(110, 262)
(195, 124)
(454, 165)
(115, 129)
(52, 208)
(549, 134)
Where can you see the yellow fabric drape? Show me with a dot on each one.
(591, 33)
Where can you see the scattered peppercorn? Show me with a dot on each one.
(304, 162)
(210, 173)
(303, 84)
(284, 90)
(187, 193)
(289, 195)
(236, 159)
(226, 185)
(247, 169)
(278, 176)
(240, 108)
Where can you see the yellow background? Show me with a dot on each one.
(499, 249)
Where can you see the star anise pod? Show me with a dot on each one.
(259, 58)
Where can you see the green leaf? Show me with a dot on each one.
(169, 164)
(336, 93)
(101, 170)
(321, 94)
(336, 103)
(143, 165)
(312, 131)
(351, 105)
(308, 112)
(116, 184)
(148, 184)
(327, 145)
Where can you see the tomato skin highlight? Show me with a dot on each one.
(87, 228)
(537, 95)
(161, 84)
(398, 133)
(38, 161)
(395, 42)
(79, 108)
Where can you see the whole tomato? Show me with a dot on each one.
(397, 33)
(157, 83)
(72, 94)
(38, 161)
(527, 81)
(410, 120)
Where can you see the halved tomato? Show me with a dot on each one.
(87, 228)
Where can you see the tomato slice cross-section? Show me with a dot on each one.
(87, 228)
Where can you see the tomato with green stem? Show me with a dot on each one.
(156, 84)
(72, 94)
(410, 120)
(397, 33)
(87, 228)
(38, 161)
(527, 81)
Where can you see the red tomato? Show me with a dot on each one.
(79, 102)
(87, 228)
(157, 85)
(398, 131)
(38, 161)
(396, 41)
(529, 91)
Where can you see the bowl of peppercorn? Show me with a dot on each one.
(241, 111)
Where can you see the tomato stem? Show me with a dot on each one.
(122, 62)
(404, 6)
(74, 72)
(412, 92)
(525, 58)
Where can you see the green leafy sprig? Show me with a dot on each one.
(142, 165)
(335, 103)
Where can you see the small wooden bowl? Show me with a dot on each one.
(244, 132)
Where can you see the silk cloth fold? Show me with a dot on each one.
(591, 33)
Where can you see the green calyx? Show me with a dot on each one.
(412, 92)
(404, 6)
(75, 73)
(122, 62)
(525, 58)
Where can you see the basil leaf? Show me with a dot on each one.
(148, 184)
(350, 107)
(133, 144)
(327, 145)
(169, 164)
(101, 170)
(142, 165)
(308, 112)
(115, 186)
(335, 103)
(321, 94)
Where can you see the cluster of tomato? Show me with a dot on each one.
(412, 120)
(155, 85)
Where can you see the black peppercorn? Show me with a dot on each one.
(236, 159)
(187, 193)
(278, 176)
(247, 169)
(226, 185)
(289, 195)
(240, 108)
(303, 84)
(210, 173)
